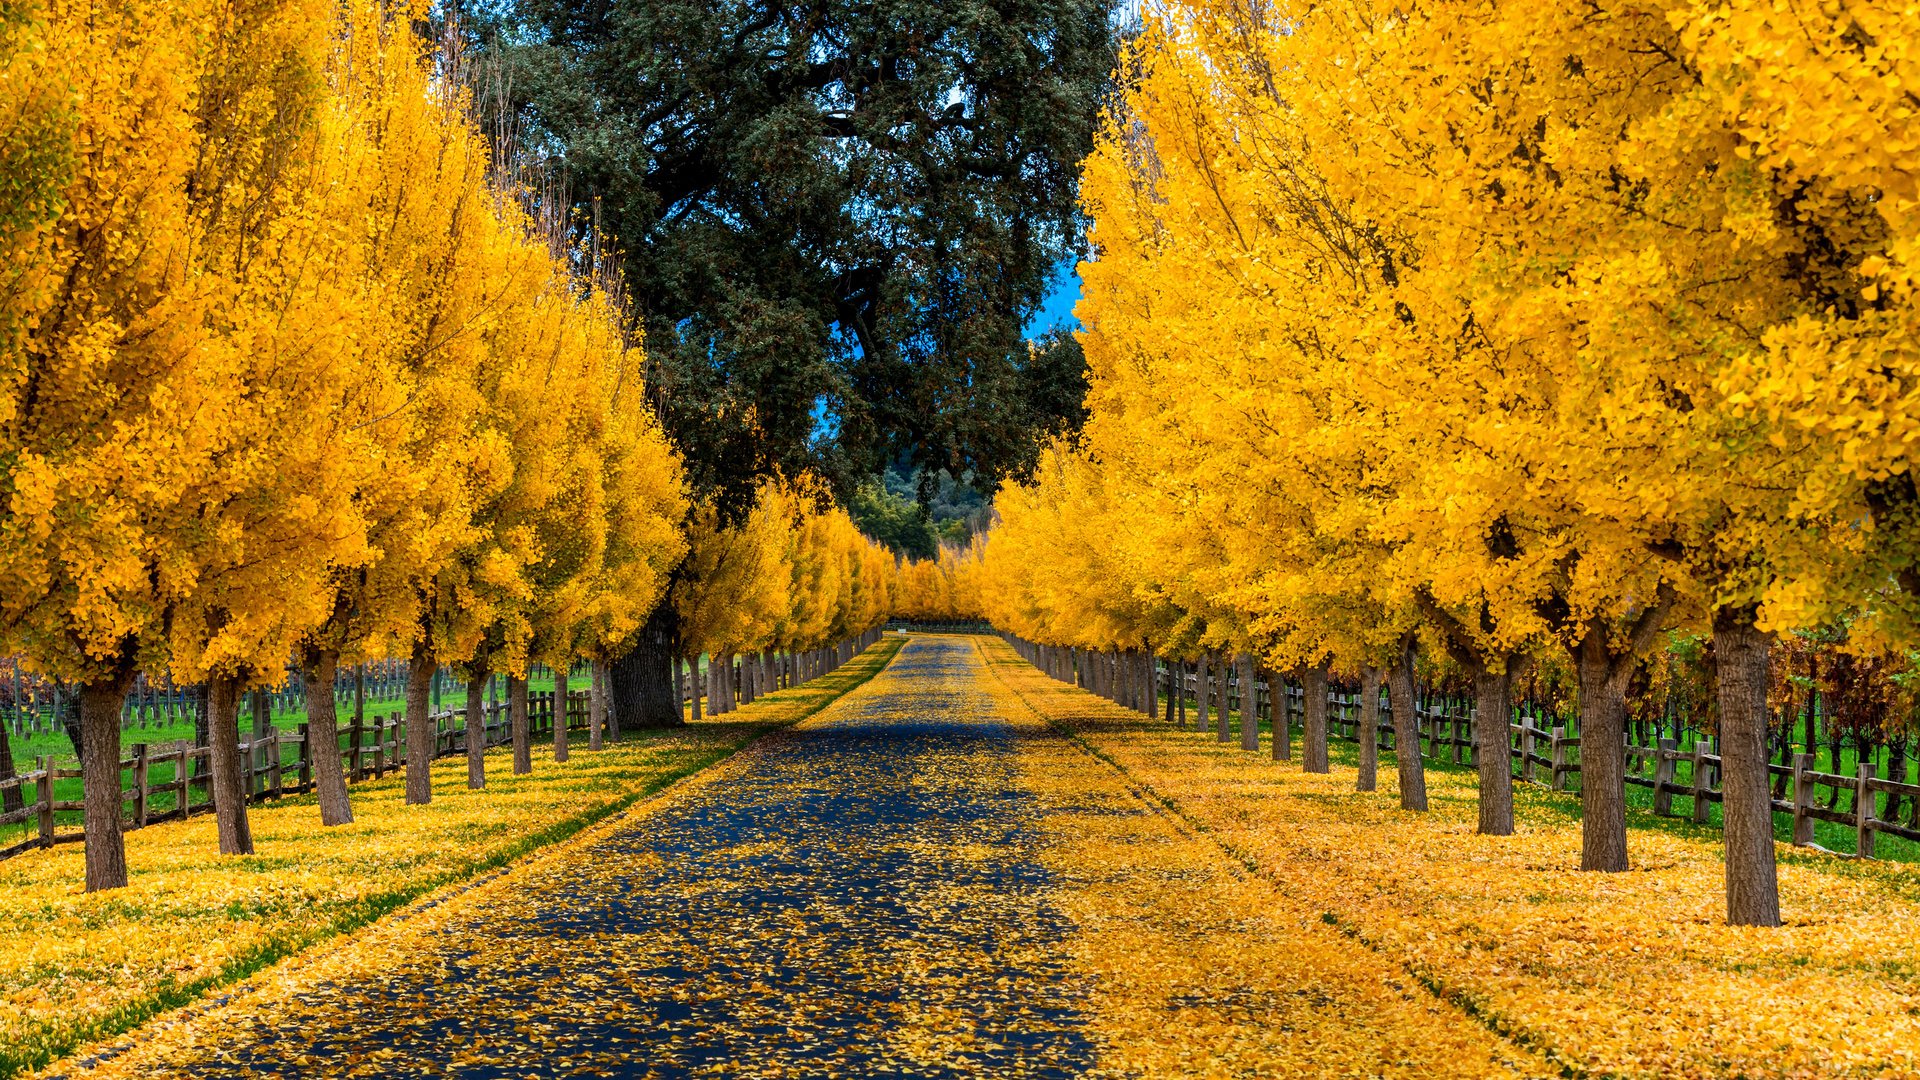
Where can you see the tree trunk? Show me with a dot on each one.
(1492, 698)
(1249, 710)
(1282, 723)
(106, 855)
(11, 801)
(323, 737)
(200, 700)
(639, 686)
(1313, 744)
(560, 691)
(1603, 733)
(229, 776)
(517, 717)
(1406, 729)
(421, 735)
(1180, 693)
(1896, 772)
(1223, 700)
(1173, 681)
(611, 730)
(1202, 695)
(477, 680)
(596, 735)
(1740, 663)
(1369, 728)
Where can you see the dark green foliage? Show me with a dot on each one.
(835, 217)
(914, 512)
(1054, 378)
(901, 523)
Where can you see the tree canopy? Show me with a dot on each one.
(835, 218)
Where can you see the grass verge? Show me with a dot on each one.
(1631, 974)
(76, 968)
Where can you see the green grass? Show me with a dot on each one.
(805, 700)
(287, 718)
(1566, 805)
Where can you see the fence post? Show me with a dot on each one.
(1802, 798)
(139, 785)
(1665, 757)
(305, 759)
(183, 779)
(1700, 785)
(1526, 749)
(1558, 748)
(354, 735)
(1863, 811)
(274, 771)
(43, 794)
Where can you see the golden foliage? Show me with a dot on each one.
(794, 575)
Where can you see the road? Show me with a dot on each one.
(923, 880)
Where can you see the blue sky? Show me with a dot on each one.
(1057, 309)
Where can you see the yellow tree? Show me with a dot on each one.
(175, 463)
(414, 174)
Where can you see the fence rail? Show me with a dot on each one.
(1549, 757)
(372, 748)
(367, 749)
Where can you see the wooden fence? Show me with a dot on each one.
(368, 749)
(1550, 757)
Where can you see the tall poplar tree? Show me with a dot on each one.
(836, 219)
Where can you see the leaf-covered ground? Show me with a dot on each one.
(1618, 975)
(76, 966)
(926, 879)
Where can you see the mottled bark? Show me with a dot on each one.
(608, 722)
(321, 667)
(11, 801)
(421, 735)
(1282, 723)
(1740, 653)
(1406, 729)
(477, 680)
(639, 685)
(229, 769)
(1313, 740)
(1222, 700)
(1603, 732)
(561, 689)
(1493, 707)
(1249, 709)
(106, 854)
(1202, 694)
(517, 721)
(596, 733)
(1369, 728)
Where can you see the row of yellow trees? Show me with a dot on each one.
(945, 588)
(793, 577)
(1505, 327)
(293, 368)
